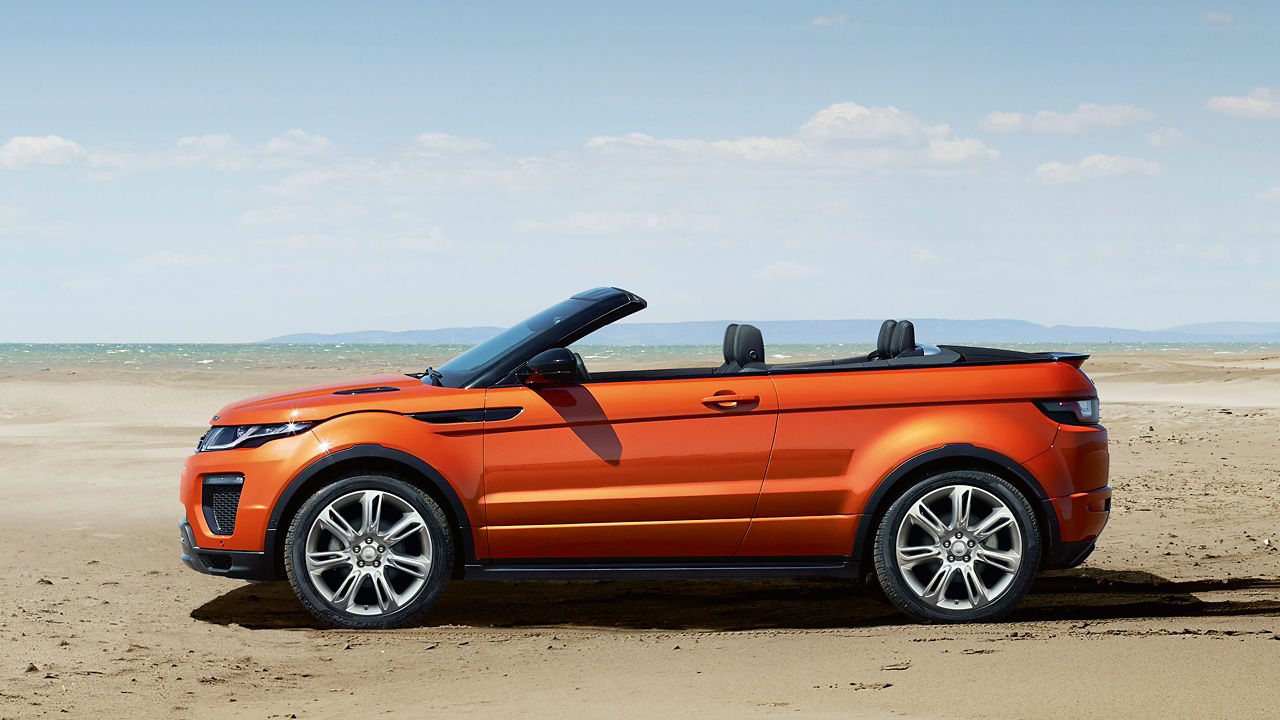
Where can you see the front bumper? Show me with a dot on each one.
(265, 471)
(246, 565)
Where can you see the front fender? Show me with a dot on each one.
(447, 456)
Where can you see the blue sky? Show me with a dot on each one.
(232, 171)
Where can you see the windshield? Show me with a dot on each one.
(456, 371)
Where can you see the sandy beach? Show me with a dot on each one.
(1176, 615)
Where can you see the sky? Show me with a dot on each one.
(227, 172)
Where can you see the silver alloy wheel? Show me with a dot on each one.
(958, 547)
(368, 553)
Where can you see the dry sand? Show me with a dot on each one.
(1175, 615)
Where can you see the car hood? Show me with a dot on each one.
(394, 393)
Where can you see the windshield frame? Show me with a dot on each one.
(583, 313)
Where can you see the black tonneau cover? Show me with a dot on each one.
(970, 354)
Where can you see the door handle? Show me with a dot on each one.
(730, 400)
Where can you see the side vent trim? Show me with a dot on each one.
(473, 415)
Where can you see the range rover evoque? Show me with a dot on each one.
(949, 475)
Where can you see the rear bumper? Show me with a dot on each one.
(1067, 555)
(1074, 474)
(245, 565)
(1083, 515)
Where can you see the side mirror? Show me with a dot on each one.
(556, 366)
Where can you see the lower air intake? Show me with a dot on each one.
(221, 501)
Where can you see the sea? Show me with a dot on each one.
(20, 357)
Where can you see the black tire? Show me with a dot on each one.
(893, 578)
(436, 576)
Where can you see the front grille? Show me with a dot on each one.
(225, 503)
(221, 500)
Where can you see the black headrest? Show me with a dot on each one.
(904, 338)
(748, 346)
(730, 334)
(885, 338)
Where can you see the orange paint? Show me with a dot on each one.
(659, 468)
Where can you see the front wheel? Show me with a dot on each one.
(959, 546)
(369, 552)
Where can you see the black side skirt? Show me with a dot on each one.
(662, 569)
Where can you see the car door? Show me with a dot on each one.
(633, 469)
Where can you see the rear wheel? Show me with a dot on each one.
(959, 546)
(369, 551)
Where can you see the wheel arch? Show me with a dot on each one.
(371, 458)
(955, 456)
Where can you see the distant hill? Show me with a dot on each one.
(862, 332)
(1230, 328)
(446, 336)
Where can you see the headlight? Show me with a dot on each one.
(225, 437)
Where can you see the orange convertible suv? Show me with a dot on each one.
(949, 475)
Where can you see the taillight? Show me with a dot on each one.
(1072, 412)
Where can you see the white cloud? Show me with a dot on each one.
(433, 144)
(109, 161)
(1002, 121)
(1085, 117)
(762, 148)
(218, 151)
(28, 150)
(298, 142)
(1272, 195)
(1201, 251)
(1261, 103)
(223, 152)
(17, 221)
(302, 182)
(292, 213)
(168, 261)
(270, 215)
(215, 150)
(12, 214)
(844, 135)
(749, 148)
(613, 222)
(345, 212)
(1166, 137)
(432, 240)
(214, 142)
(1095, 166)
(960, 150)
(1217, 17)
(828, 20)
(925, 255)
(851, 121)
(788, 268)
